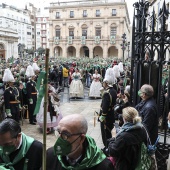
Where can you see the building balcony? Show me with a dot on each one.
(83, 39)
(43, 35)
(84, 15)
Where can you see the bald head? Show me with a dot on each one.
(148, 90)
(76, 122)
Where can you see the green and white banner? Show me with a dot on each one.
(70, 40)
(97, 39)
(112, 40)
(56, 40)
(83, 40)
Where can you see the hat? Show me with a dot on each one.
(116, 71)
(8, 76)
(108, 80)
(29, 72)
(35, 67)
(120, 65)
(110, 72)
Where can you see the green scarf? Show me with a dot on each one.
(93, 157)
(26, 143)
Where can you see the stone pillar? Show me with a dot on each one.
(91, 52)
(65, 52)
(120, 53)
(77, 52)
(105, 50)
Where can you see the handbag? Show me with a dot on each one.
(147, 160)
(144, 160)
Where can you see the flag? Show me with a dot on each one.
(41, 82)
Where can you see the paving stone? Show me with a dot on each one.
(81, 107)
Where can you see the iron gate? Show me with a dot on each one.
(150, 54)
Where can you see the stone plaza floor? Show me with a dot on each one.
(85, 108)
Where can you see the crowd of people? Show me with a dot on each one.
(22, 87)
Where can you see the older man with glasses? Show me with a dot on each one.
(147, 109)
(17, 150)
(74, 149)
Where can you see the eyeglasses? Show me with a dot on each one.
(65, 135)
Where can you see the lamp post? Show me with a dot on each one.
(128, 45)
(123, 45)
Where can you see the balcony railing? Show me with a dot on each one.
(97, 15)
(61, 38)
(43, 35)
(84, 15)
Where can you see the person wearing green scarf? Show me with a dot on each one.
(17, 150)
(74, 149)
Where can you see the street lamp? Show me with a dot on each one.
(123, 45)
(128, 45)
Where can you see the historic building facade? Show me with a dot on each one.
(42, 30)
(8, 43)
(91, 29)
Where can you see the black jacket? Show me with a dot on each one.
(11, 94)
(126, 148)
(33, 156)
(107, 105)
(148, 111)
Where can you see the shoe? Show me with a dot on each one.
(32, 123)
(35, 120)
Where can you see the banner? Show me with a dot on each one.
(83, 40)
(57, 40)
(69, 40)
(97, 39)
(112, 40)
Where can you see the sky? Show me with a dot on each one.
(21, 4)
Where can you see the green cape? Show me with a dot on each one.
(26, 143)
(93, 156)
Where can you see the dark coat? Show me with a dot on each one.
(11, 94)
(126, 148)
(148, 111)
(34, 157)
(107, 105)
(54, 164)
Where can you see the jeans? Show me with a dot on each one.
(65, 81)
(88, 80)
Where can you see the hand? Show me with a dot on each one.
(113, 132)
(101, 118)
(125, 99)
(30, 101)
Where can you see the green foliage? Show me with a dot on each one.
(30, 51)
(40, 50)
